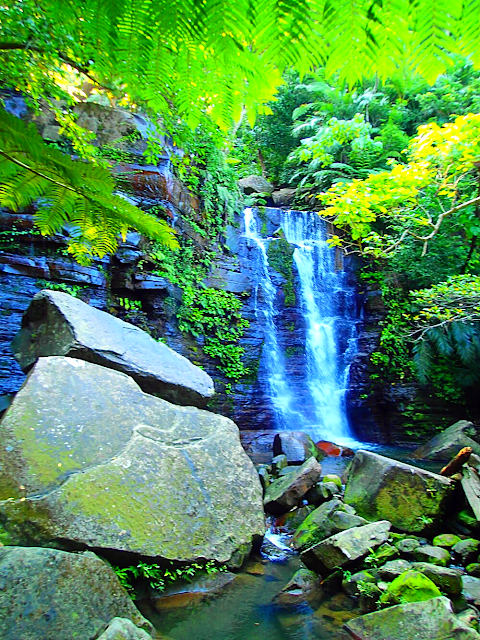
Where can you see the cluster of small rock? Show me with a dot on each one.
(380, 541)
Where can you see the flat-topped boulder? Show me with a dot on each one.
(346, 547)
(382, 488)
(57, 324)
(448, 443)
(88, 459)
(47, 593)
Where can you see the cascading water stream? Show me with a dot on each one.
(279, 390)
(327, 306)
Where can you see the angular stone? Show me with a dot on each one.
(393, 568)
(327, 520)
(407, 546)
(46, 593)
(410, 498)
(89, 459)
(288, 491)
(447, 444)
(467, 549)
(471, 487)
(283, 197)
(446, 579)
(279, 463)
(254, 184)
(346, 547)
(433, 555)
(124, 629)
(351, 584)
(471, 589)
(303, 587)
(296, 446)
(322, 492)
(428, 620)
(56, 323)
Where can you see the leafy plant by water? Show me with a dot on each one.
(160, 577)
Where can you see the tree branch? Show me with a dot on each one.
(25, 46)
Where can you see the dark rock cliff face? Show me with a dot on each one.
(390, 412)
(377, 411)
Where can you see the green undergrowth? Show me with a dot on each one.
(159, 578)
(213, 317)
(280, 258)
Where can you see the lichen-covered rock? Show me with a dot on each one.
(46, 593)
(87, 458)
(410, 498)
(447, 444)
(297, 446)
(288, 491)
(433, 555)
(325, 521)
(428, 620)
(447, 579)
(350, 584)
(331, 477)
(124, 629)
(57, 324)
(345, 547)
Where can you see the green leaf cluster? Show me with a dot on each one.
(70, 193)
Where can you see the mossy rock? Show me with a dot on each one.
(331, 477)
(89, 459)
(445, 540)
(432, 555)
(411, 586)
(381, 488)
(324, 522)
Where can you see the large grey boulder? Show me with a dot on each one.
(88, 459)
(57, 324)
(254, 184)
(46, 593)
(382, 488)
(346, 547)
(288, 490)
(447, 444)
(428, 620)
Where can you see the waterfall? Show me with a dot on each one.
(311, 397)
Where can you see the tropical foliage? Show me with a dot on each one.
(69, 192)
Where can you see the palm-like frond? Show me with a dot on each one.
(66, 191)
